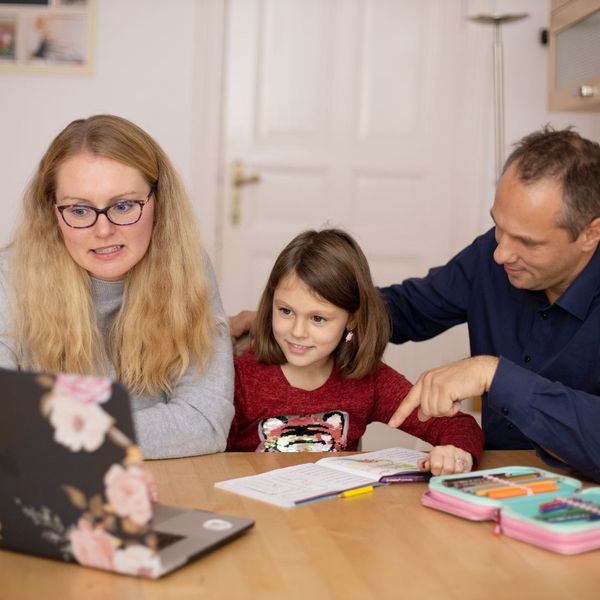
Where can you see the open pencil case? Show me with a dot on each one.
(528, 504)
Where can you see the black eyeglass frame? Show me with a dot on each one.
(104, 211)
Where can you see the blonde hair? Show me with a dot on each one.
(165, 321)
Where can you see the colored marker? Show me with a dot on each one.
(533, 486)
(477, 480)
(357, 491)
(405, 478)
(512, 492)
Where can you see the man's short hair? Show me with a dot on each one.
(569, 159)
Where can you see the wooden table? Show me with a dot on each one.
(379, 545)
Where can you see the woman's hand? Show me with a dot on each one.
(445, 460)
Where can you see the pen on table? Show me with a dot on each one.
(356, 491)
(345, 494)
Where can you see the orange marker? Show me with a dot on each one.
(534, 485)
(511, 492)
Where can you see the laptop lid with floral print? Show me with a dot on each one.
(73, 486)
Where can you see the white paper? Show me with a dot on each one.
(328, 477)
(291, 485)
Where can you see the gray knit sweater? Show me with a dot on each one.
(195, 418)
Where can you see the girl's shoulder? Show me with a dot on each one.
(247, 363)
(384, 375)
(253, 375)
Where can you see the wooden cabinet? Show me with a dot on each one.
(574, 62)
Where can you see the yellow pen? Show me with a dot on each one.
(356, 491)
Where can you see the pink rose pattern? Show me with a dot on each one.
(92, 547)
(114, 530)
(73, 408)
(78, 426)
(88, 390)
(137, 560)
(127, 492)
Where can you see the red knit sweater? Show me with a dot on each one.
(273, 416)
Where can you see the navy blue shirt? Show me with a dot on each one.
(546, 391)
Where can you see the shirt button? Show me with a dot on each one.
(544, 315)
(527, 359)
(509, 426)
(505, 411)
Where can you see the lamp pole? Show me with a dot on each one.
(497, 21)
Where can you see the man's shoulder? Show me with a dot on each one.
(474, 262)
(483, 244)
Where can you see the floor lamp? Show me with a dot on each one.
(497, 21)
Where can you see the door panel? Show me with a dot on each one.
(355, 114)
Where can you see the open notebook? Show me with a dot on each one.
(73, 486)
(337, 475)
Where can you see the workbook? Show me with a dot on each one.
(529, 504)
(343, 476)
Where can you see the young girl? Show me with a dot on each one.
(315, 379)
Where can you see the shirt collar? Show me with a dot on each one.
(578, 297)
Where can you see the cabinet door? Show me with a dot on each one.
(574, 65)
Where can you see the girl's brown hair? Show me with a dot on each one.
(333, 266)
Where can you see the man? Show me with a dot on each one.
(529, 290)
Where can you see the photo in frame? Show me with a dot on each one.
(51, 36)
(8, 38)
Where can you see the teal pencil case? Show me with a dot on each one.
(528, 504)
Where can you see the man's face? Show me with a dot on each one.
(535, 252)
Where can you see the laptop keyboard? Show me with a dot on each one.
(164, 539)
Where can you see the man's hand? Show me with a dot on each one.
(439, 392)
(240, 327)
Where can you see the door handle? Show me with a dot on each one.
(586, 91)
(239, 180)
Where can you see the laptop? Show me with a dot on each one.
(73, 486)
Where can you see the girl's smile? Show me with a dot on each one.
(308, 329)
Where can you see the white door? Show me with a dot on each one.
(362, 114)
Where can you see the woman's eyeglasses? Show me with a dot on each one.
(123, 212)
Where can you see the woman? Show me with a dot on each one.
(106, 275)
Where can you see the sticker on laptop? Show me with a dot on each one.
(217, 525)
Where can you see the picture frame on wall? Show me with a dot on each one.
(46, 36)
(27, 2)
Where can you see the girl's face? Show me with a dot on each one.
(306, 327)
(105, 250)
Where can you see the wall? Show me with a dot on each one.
(525, 81)
(158, 63)
(148, 68)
